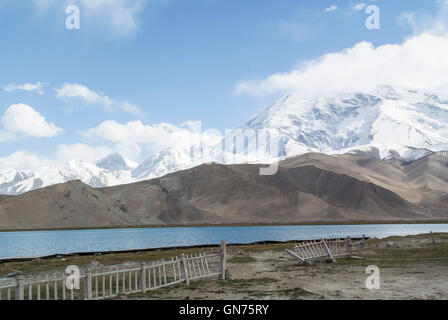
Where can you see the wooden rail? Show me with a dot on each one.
(325, 248)
(108, 282)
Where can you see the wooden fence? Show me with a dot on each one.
(112, 281)
(307, 251)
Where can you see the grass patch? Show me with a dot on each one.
(59, 265)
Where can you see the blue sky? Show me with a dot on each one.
(137, 70)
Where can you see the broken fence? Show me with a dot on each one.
(307, 251)
(113, 281)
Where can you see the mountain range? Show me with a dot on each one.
(375, 156)
(410, 122)
(312, 187)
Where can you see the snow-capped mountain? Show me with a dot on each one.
(116, 162)
(16, 182)
(386, 117)
(411, 123)
(161, 163)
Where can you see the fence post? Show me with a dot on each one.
(183, 269)
(223, 256)
(20, 288)
(433, 241)
(327, 249)
(88, 285)
(363, 240)
(348, 244)
(143, 277)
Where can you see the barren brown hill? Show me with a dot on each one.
(4, 197)
(310, 187)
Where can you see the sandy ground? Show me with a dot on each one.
(410, 268)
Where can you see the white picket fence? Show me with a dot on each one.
(113, 281)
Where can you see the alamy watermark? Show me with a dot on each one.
(373, 280)
(73, 21)
(72, 281)
(237, 146)
(373, 21)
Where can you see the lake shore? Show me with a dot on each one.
(411, 267)
(205, 225)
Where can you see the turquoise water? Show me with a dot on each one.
(42, 243)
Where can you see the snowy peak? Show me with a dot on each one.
(388, 122)
(16, 182)
(116, 162)
(391, 120)
(11, 179)
(408, 94)
(164, 162)
(327, 124)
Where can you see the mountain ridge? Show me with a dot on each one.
(307, 188)
(410, 122)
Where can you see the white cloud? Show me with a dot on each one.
(134, 135)
(122, 17)
(25, 87)
(22, 120)
(80, 151)
(22, 160)
(418, 62)
(359, 6)
(158, 136)
(74, 90)
(331, 8)
(130, 108)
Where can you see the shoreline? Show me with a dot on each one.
(158, 249)
(310, 223)
(412, 267)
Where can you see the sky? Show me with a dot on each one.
(136, 73)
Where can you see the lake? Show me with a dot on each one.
(42, 243)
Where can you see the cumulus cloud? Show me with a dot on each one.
(22, 120)
(38, 86)
(134, 135)
(22, 160)
(80, 151)
(74, 90)
(418, 62)
(159, 136)
(122, 17)
(331, 8)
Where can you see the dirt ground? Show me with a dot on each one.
(411, 267)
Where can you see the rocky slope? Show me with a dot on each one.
(315, 187)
